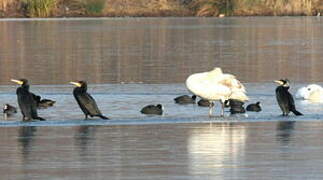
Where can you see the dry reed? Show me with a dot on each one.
(272, 7)
(45, 8)
(256, 7)
(39, 8)
(4, 4)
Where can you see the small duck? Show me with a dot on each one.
(45, 103)
(205, 103)
(152, 109)
(236, 106)
(254, 107)
(9, 110)
(185, 99)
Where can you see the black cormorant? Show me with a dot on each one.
(26, 101)
(254, 107)
(9, 110)
(152, 109)
(86, 101)
(285, 99)
(185, 99)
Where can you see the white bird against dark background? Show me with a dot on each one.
(216, 86)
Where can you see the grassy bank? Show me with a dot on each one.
(80, 8)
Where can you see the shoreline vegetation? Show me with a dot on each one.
(158, 8)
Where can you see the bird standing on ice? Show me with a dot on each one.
(216, 86)
(285, 99)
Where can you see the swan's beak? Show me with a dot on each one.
(76, 84)
(17, 81)
(279, 82)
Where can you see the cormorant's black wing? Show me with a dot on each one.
(27, 104)
(36, 97)
(291, 101)
(33, 107)
(286, 101)
(292, 105)
(282, 96)
(88, 104)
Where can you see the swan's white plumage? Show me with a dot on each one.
(312, 92)
(214, 85)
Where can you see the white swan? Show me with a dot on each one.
(214, 85)
(312, 92)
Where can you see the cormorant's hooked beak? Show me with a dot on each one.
(279, 82)
(17, 81)
(76, 84)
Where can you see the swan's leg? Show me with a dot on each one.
(210, 109)
(222, 110)
(222, 101)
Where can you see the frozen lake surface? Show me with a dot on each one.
(223, 150)
(184, 143)
(122, 104)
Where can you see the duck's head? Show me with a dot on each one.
(159, 106)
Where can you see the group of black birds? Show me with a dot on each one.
(284, 98)
(235, 106)
(29, 102)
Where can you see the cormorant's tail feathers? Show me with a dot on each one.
(40, 118)
(297, 113)
(102, 117)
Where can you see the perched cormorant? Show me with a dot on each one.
(26, 101)
(216, 86)
(185, 99)
(152, 109)
(205, 103)
(285, 99)
(254, 107)
(9, 110)
(86, 101)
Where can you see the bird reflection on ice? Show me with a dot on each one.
(214, 146)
